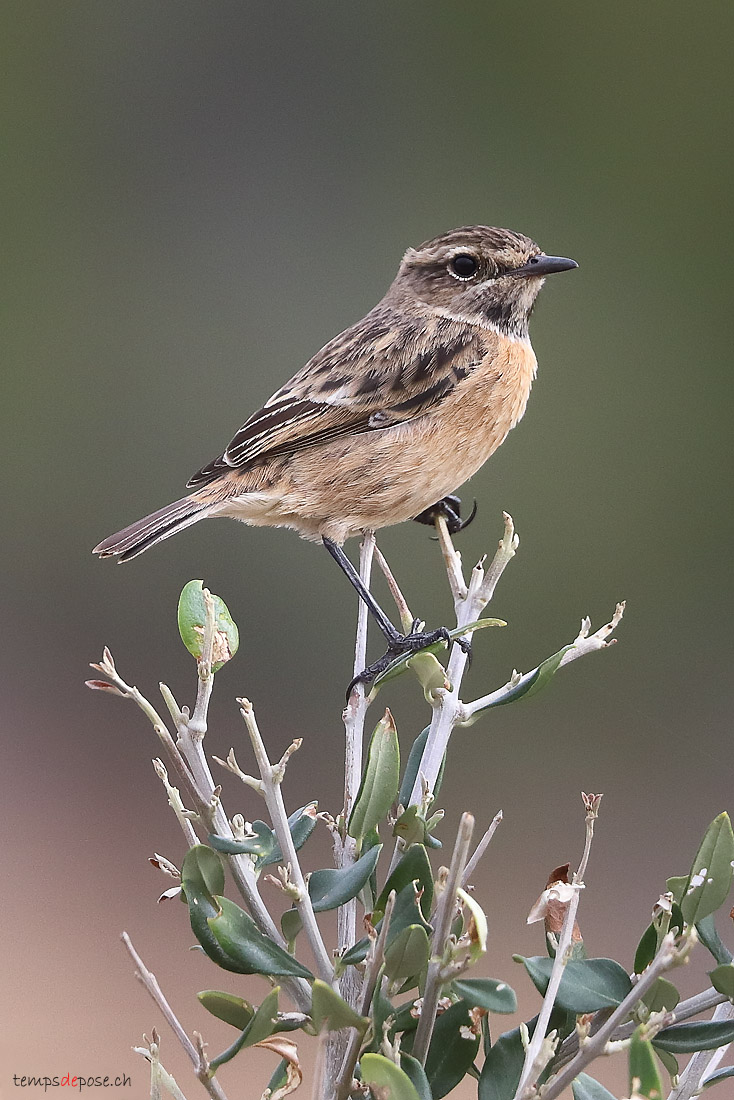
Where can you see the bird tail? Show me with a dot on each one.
(156, 527)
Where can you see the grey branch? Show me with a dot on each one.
(584, 643)
(448, 709)
(539, 1052)
(481, 848)
(197, 1056)
(442, 929)
(210, 812)
(668, 956)
(372, 973)
(271, 779)
(703, 1063)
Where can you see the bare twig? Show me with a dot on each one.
(536, 1055)
(442, 929)
(452, 560)
(668, 956)
(196, 1054)
(211, 813)
(481, 848)
(176, 804)
(354, 716)
(371, 976)
(584, 643)
(272, 777)
(703, 1063)
(404, 612)
(448, 709)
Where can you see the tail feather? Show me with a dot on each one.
(146, 532)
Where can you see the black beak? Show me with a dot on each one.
(541, 265)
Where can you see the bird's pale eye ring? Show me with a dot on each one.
(463, 266)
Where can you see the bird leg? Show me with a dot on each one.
(450, 508)
(397, 643)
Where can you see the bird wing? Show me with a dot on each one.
(385, 370)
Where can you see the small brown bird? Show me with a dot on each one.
(390, 416)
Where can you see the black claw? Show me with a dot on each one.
(401, 644)
(465, 644)
(450, 508)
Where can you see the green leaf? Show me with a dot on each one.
(408, 954)
(453, 1048)
(587, 985)
(711, 940)
(380, 1010)
(676, 886)
(262, 844)
(239, 937)
(411, 769)
(411, 827)
(384, 1074)
(643, 1068)
(406, 911)
(663, 997)
(646, 949)
(202, 879)
(722, 979)
(225, 1006)
(668, 1060)
(380, 781)
(290, 925)
(720, 1075)
(487, 993)
(502, 1067)
(262, 1024)
(430, 673)
(280, 1077)
(586, 1088)
(711, 873)
(191, 621)
(413, 866)
(301, 824)
(687, 1038)
(330, 1013)
(356, 954)
(332, 887)
(531, 682)
(412, 1069)
(202, 871)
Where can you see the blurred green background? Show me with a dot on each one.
(198, 196)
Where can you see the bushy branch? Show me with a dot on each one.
(398, 1011)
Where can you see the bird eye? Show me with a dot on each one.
(463, 266)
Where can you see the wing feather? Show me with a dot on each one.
(384, 370)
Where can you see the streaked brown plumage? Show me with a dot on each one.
(391, 415)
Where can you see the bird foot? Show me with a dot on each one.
(450, 508)
(401, 644)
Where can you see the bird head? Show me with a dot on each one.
(480, 274)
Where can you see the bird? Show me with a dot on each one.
(389, 418)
